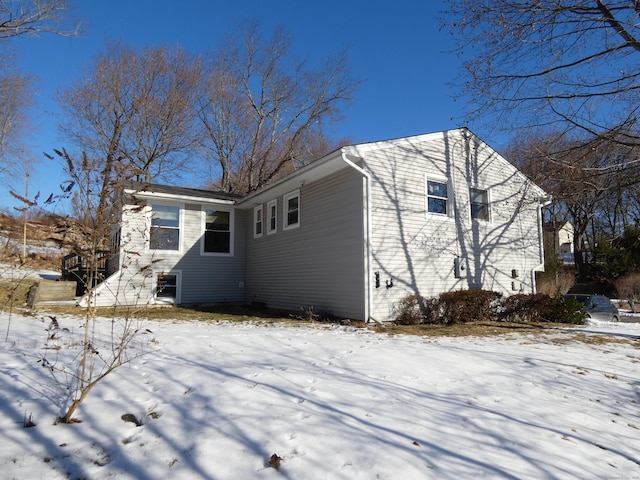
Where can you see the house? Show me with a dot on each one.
(559, 237)
(351, 233)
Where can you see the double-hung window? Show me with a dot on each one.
(165, 227)
(217, 231)
(272, 217)
(479, 201)
(257, 221)
(291, 215)
(437, 196)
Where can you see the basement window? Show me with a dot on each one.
(167, 288)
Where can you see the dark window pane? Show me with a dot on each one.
(167, 286)
(479, 211)
(217, 242)
(292, 217)
(437, 205)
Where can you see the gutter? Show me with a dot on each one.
(369, 287)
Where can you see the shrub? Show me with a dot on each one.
(564, 310)
(525, 308)
(464, 306)
(410, 310)
(628, 287)
(554, 284)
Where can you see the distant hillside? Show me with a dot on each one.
(45, 246)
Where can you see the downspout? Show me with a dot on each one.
(367, 268)
(543, 202)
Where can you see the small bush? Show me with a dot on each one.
(411, 310)
(628, 287)
(523, 308)
(464, 306)
(556, 284)
(565, 310)
(449, 308)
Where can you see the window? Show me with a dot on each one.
(437, 197)
(257, 221)
(167, 288)
(479, 201)
(291, 210)
(165, 227)
(217, 231)
(272, 216)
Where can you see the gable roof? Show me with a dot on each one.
(334, 162)
(315, 170)
(153, 190)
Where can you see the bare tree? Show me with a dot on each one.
(104, 346)
(32, 17)
(565, 66)
(582, 180)
(22, 17)
(261, 110)
(14, 99)
(135, 111)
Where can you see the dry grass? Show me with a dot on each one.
(14, 296)
(557, 334)
(480, 329)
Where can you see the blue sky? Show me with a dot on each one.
(395, 48)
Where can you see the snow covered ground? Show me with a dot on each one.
(218, 400)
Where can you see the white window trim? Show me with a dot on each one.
(258, 211)
(203, 225)
(285, 210)
(439, 179)
(272, 203)
(488, 190)
(164, 301)
(180, 227)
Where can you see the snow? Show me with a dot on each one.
(217, 400)
(17, 273)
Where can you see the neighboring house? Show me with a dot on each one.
(559, 236)
(350, 234)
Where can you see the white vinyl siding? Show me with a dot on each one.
(204, 277)
(417, 252)
(321, 263)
